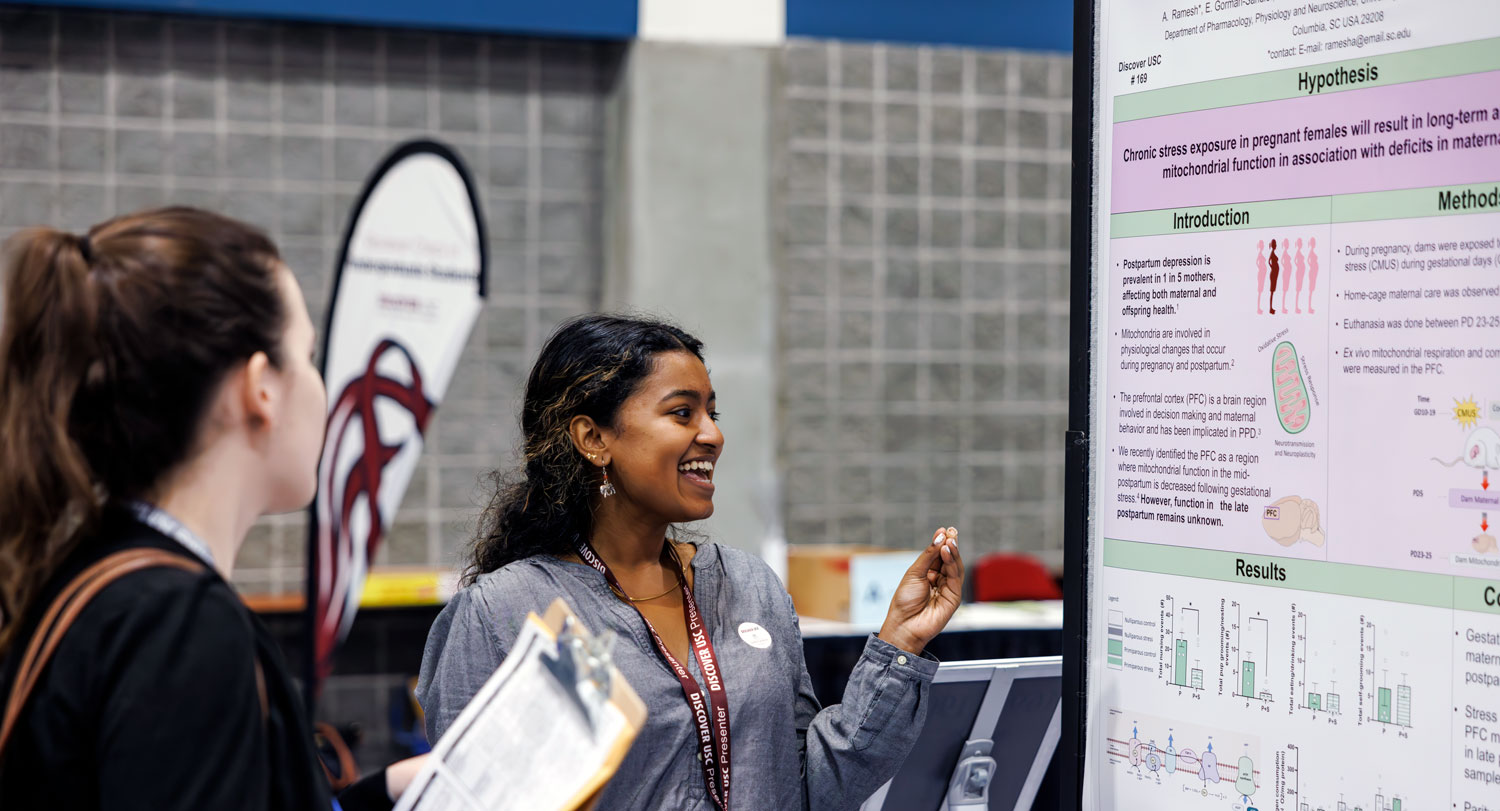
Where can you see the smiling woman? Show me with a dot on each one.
(621, 441)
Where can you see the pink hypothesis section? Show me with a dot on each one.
(1139, 185)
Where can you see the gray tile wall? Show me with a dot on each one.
(924, 294)
(280, 125)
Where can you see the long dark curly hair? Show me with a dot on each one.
(589, 367)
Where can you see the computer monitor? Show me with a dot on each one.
(1015, 703)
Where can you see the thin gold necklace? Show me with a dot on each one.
(622, 595)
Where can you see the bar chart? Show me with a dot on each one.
(1186, 641)
(1252, 636)
(1316, 662)
(1389, 694)
(1299, 797)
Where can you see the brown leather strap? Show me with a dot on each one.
(65, 609)
(260, 691)
(348, 772)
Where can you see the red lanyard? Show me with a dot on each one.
(713, 758)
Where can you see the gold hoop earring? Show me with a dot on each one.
(606, 489)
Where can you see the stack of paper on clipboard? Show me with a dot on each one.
(545, 733)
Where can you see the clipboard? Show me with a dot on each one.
(546, 732)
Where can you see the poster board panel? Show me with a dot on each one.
(1293, 405)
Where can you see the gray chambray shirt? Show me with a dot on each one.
(786, 753)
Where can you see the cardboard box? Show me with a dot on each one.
(843, 582)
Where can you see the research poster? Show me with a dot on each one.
(1294, 590)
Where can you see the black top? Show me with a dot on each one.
(150, 701)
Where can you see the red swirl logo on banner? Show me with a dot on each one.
(408, 289)
(354, 413)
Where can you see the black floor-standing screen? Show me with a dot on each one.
(1023, 726)
(923, 779)
(1013, 703)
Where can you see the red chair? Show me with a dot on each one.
(1003, 578)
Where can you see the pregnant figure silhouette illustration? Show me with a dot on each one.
(1312, 271)
(1301, 275)
(1260, 274)
(1275, 274)
(1286, 262)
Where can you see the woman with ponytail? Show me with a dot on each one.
(620, 436)
(157, 396)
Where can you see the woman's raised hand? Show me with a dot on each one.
(929, 593)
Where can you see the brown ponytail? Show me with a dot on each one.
(111, 346)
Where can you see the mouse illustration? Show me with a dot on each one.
(1292, 519)
(1481, 450)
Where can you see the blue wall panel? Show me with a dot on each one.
(1031, 24)
(600, 19)
(1034, 24)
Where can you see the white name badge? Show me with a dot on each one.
(755, 636)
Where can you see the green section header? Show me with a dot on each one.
(1433, 201)
(1318, 576)
(1235, 217)
(1345, 579)
(1398, 68)
(1436, 201)
(1473, 594)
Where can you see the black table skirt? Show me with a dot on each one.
(390, 640)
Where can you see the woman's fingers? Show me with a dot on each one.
(931, 557)
(924, 561)
(941, 565)
(953, 575)
(946, 575)
(949, 544)
(937, 539)
(953, 563)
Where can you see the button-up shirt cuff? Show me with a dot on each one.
(917, 668)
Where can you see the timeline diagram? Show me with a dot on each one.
(1481, 452)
